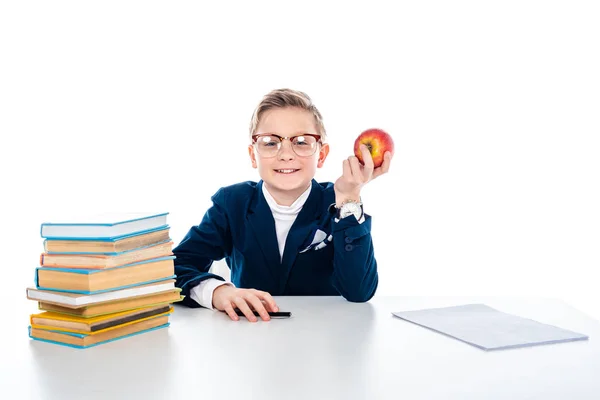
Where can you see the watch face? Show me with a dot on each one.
(351, 209)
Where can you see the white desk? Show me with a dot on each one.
(329, 349)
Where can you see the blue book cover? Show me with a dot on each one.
(112, 239)
(107, 226)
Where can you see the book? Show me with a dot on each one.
(59, 322)
(110, 246)
(100, 261)
(96, 310)
(104, 226)
(75, 300)
(92, 281)
(81, 341)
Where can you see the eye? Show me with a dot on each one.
(267, 141)
(304, 141)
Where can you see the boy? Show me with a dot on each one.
(286, 234)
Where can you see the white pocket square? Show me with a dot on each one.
(318, 241)
(319, 237)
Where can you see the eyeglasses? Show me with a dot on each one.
(268, 145)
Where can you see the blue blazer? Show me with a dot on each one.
(321, 256)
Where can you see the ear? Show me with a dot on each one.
(252, 156)
(323, 154)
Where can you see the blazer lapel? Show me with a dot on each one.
(261, 220)
(301, 228)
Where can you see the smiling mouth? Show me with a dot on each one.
(286, 171)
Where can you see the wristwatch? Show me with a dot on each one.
(351, 207)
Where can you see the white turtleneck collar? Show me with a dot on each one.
(286, 212)
(284, 216)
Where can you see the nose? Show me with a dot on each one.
(285, 151)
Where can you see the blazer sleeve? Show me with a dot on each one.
(203, 244)
(354, 266)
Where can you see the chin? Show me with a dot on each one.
(289, 183)
(286, 185)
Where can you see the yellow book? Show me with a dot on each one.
(104, 261)
(108, 246)
(93, 281)
(92, 326)
(81, 341)
(96, 310)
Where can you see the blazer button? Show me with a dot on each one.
(348, 240)
(349, 247)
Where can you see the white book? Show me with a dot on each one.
(78, 300)
(105, 226)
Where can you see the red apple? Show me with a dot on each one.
(377, 141)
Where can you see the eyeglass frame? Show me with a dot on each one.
(281, 139)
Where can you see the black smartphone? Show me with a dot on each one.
(272, 314)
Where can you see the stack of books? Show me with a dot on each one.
(103, 278)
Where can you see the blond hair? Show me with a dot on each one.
(282, 98)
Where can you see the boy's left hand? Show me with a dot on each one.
(355, 175)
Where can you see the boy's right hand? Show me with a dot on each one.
(228, 298)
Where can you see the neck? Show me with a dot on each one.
(285, 197)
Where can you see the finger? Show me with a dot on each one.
(347, 170)
(357, 175)
(367, 158)
(367, 170)
(268, 300)
(258, 306)
(231, 312)
(243, 306)
(387, 160)
(385, 166)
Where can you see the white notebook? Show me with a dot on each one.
(77, 300)
(487, 328)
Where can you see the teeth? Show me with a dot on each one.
(285, 171)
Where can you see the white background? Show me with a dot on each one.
(144, 105)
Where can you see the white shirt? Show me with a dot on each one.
(284, 217)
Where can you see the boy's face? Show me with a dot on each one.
(286, 171)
